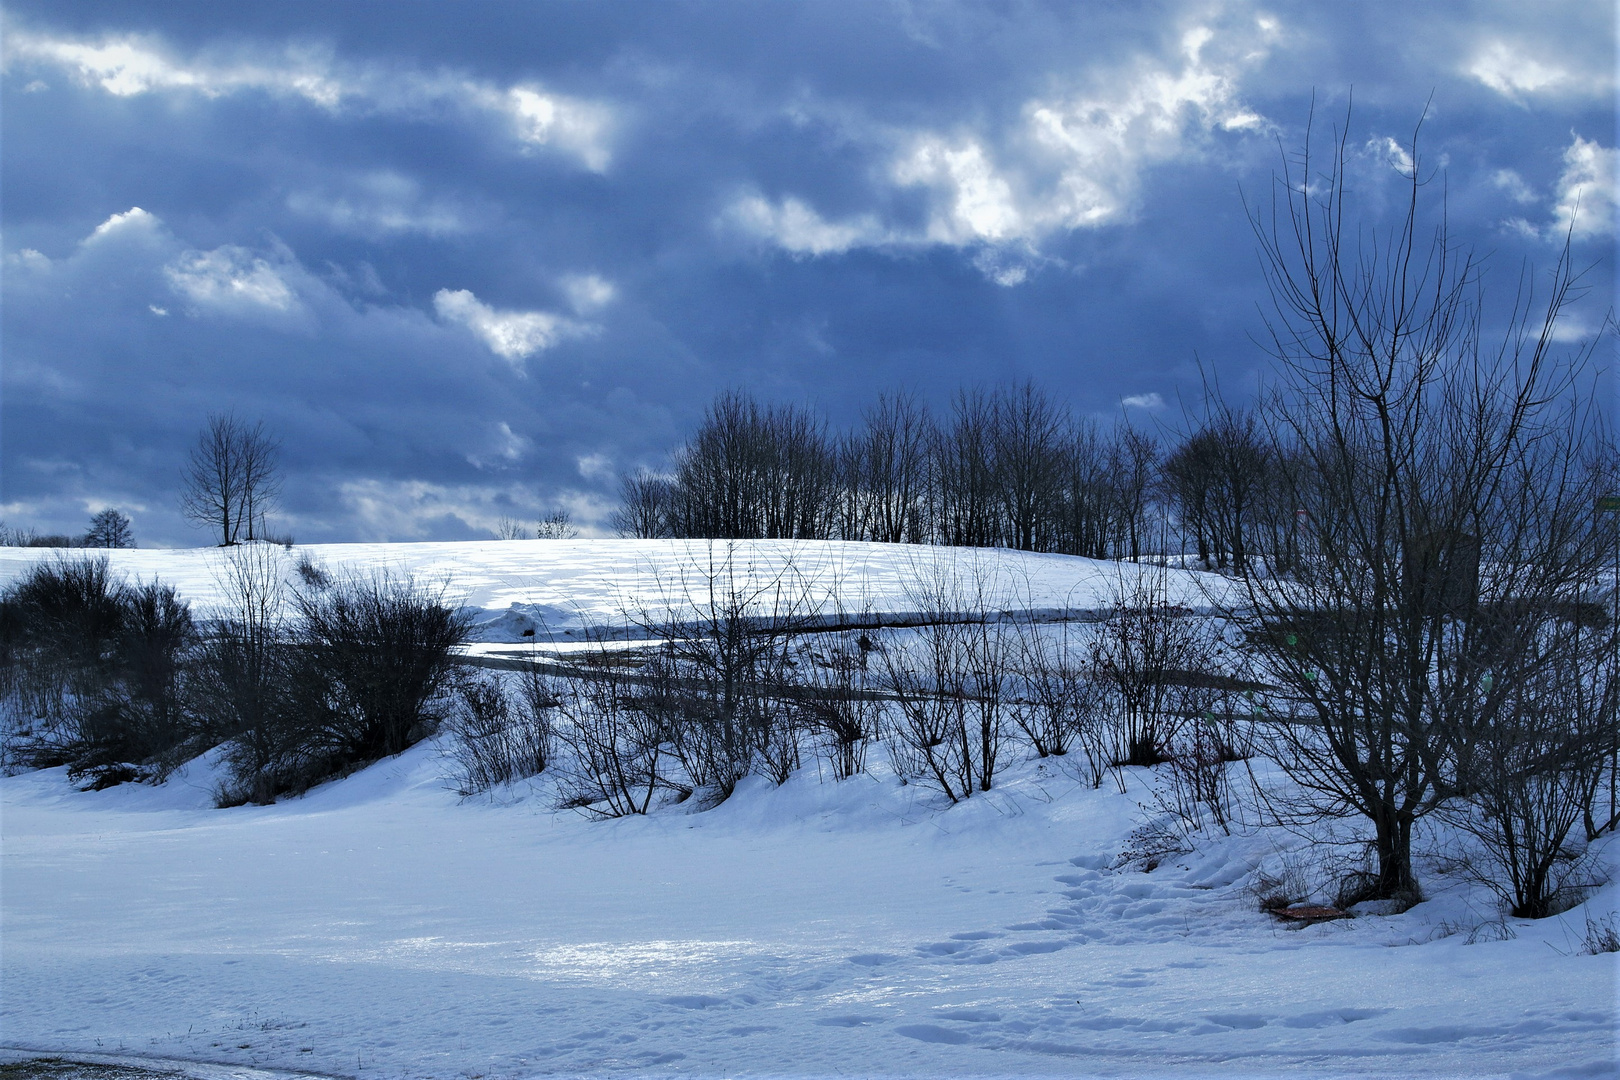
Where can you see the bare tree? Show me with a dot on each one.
(645, 505)
(557, 525)
(510, 528)
(1027, 434)
(964, 487)
(752, 471)
(1085, 510)
(109, 529)
(1444, 516)
(1216, 480)
(231, 480)
(1133, 463)
(1188, 481)
(894, 445)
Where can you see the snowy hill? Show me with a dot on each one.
(567, 585)
(381, 926)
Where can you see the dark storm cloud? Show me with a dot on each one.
(473, 260)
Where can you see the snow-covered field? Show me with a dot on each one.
(380, 926)
(563, 587)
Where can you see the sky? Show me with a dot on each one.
(473, 261)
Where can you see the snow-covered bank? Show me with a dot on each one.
(563, 587)
(379, 927)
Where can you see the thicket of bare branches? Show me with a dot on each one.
(949, 681)
(93, 672)
(500, 728)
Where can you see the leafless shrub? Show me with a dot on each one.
(1059, 705)
(948, 682)
(354, 678)
(836, 699)
(1197, 781)
(557, 525)
(613, 754)
(1158, 663)
(510, 528)
(1536, 752)
(311, 575)
(1602, 935)
(494, 739)
(92, 672)
(379, 650)
(245, 695)
(718, 685)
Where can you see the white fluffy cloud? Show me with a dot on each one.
(542, 119)
(131, 65)
(796, 228)
(512, 335)
(1583, 200)
(1586, 191)
(230, 279)
(131, 221)
(1514, 70)
(1157, 112)
(1072, 162)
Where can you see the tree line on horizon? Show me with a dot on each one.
(1007, 466)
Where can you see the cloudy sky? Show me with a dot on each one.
(472, 260)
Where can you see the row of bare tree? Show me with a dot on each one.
(1009, 467)
(1005, 467)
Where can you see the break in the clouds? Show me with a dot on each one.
(471, 263)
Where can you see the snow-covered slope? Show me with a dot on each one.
(379, 927)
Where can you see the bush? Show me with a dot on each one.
(142, 718)
(717, 687)
(1602, 936)
(950, 683)
(496, 740)
(837, 702)
(614, 746)
(92, 670)
(374, 653)
(353, 678)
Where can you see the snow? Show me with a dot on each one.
(380, 926)
(565, 587)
